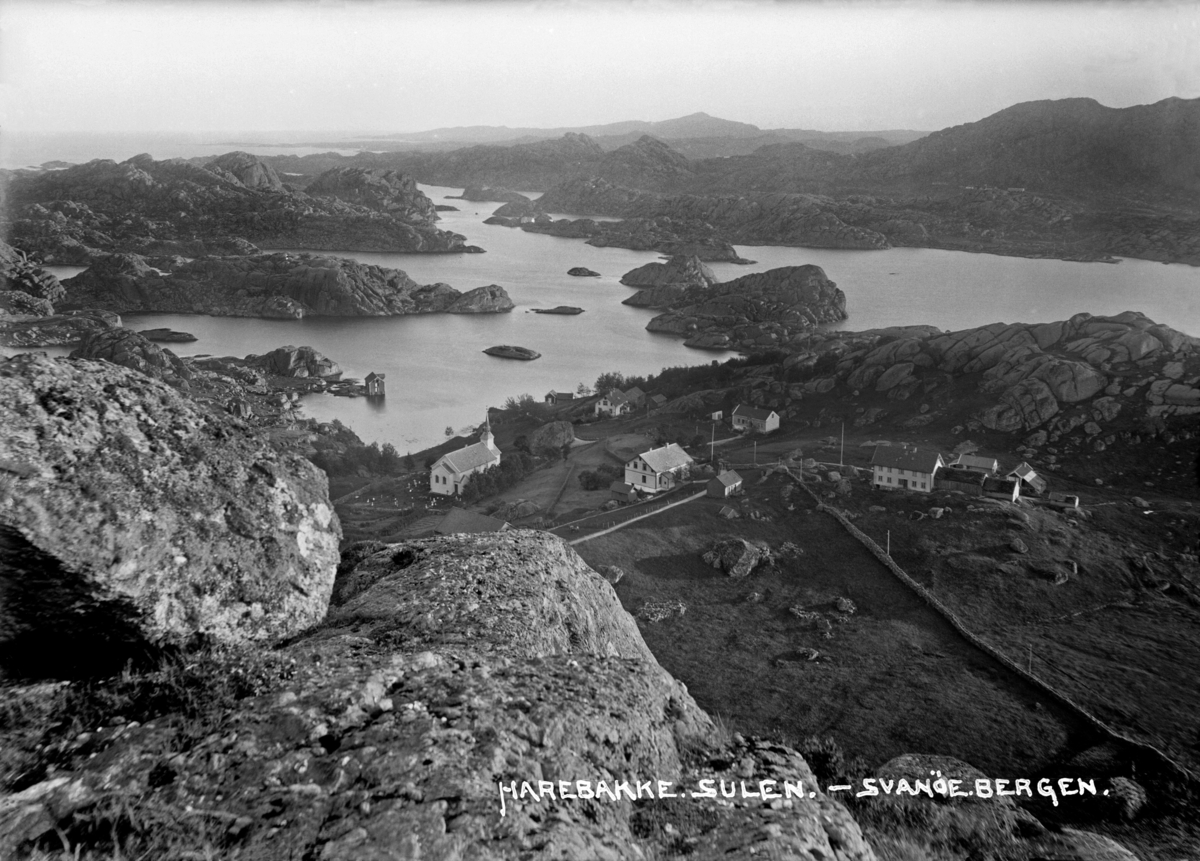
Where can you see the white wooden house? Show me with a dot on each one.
(746, 417)
(895, 467)
(613, 404)
(658, 469)
(450, 474)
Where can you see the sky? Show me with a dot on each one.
(402, 65)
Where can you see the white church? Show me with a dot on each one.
(453, 470)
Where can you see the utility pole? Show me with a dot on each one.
(712, 446)
(756, 452)
(842, 452)
(889, 544)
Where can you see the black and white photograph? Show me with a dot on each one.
(613, 430)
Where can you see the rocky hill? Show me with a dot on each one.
(1054, 392)
(173, 207)
(759, 311)
(268, 285)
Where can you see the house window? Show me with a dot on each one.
(643, 479)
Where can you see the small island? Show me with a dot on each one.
(582, 272)
(168, 336)
(558, 309)
(508, 352)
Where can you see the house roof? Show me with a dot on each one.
(621, 487)
(965, 476)
(562, 396)
(999, 485)
(752, 412)
(658, 399)
(900, 457)
(728, 478)
(1022, 470)
(460, 520)
(971, 461)
(634, 393)
(617, 398)
(374, 376)
(667, 458)
(470, 457)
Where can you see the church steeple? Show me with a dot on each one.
(487, 438)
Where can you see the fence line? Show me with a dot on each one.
(986, 647)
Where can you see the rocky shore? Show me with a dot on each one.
(228, 206)
(282, 285)
(760, 311)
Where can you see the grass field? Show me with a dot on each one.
(891, 678)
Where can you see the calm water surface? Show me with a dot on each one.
(437, 376)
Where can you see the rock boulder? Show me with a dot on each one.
(177, 519)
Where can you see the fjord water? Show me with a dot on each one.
(437, 376)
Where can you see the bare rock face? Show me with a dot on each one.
(132, 350)
(290, 286)
(249, 170)
(552, 435)
(177, 519)
(383, 190)
(679, 271)
(762, 310)
(292, 361)
(452, 667)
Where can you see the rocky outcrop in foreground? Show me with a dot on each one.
(167, 521)
(145, 206)
(446, 669)
(757, 311)
(289, 286)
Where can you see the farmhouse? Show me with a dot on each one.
(987, 465)
(658, 469)
(728, 483)
(613, 404)
(374, 383)
(755, 419)
(553, 397)
(903, 468)
(450, 474)
(1030, 481)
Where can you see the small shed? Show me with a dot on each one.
(717, 416)
(623, 492)
(658, 401)
(553, 397)
(728, 483)
(374, 384)
(729, 513)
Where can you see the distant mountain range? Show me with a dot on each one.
(697, 125)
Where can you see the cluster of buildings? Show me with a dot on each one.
(904, 467)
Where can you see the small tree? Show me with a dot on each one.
(608, 381)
